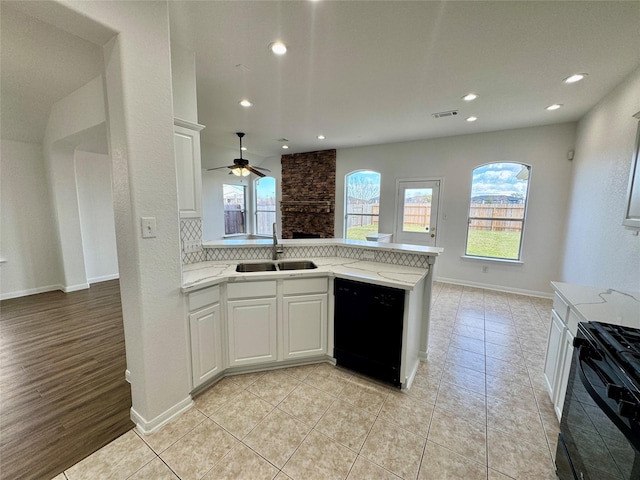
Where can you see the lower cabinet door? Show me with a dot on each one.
(206, 357)
(305, 325)
(554, 348)
(566, 357)
(252, 331)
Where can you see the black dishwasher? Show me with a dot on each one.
(368, 329)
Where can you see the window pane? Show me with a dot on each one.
(234, 207)
(362, 205)
(417, 210)
(359, 226)
(488, 238)
(265, 205)
(497, 210)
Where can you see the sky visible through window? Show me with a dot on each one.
(508, 179)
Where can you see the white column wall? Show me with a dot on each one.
(140, 119)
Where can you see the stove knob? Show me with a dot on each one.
(580, 342)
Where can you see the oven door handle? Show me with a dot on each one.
(585, 359)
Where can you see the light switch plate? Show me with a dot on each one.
(148, 227)
(368, 255)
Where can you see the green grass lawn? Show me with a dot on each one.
(360, 233)
(484, 243)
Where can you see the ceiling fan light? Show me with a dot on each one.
(245, 172)
(236, 171)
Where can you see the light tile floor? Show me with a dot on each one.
(478, 410)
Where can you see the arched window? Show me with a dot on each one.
(497, 210)
(265, 205)
(362, 204)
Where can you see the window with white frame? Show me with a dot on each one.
(497, 210)
(265, 205)
(362, 204)
(235, 221)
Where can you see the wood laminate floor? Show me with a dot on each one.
(63, 392)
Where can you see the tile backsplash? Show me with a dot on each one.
(191, 230)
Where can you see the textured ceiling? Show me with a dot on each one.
(365, 73)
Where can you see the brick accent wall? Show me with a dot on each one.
(308, 193)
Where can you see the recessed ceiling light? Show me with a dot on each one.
(285, 146)
(245, 103)
(471, 119)
(555, 106)
(575, 78)
(244, 149)
(278, 48)
(321, 137)
(470, 96)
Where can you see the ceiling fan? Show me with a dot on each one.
(240, 166)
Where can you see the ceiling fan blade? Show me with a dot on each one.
(218, 168)
(254, 171)
(262, 168)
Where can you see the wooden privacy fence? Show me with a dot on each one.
(508, 216)
(502, 212)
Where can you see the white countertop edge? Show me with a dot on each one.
(318, 242)
(226, 274)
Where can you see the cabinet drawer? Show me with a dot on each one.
(204, 297)
(252, 289)
(561, 307)
(305, 285)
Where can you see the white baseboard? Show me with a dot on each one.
(103, 278)
(127, 375)
(75, 288)
(498, 288)
(147, 427)
(30, 291)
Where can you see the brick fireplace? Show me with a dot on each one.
(308, 194)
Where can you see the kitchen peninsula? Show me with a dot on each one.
(249, 321)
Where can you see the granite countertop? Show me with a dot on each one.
(199, 275)
(598, 304)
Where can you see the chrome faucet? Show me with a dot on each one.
(276, 247)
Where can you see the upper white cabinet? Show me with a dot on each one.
(188, 167)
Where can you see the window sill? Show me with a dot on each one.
(496, 260)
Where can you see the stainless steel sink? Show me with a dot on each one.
(297, 265)
(256, 267)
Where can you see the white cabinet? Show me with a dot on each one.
(304, 317)
(252, 322)
(559, 352)
(188, 167)
(205, 326)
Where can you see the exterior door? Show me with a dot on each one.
(417, 212)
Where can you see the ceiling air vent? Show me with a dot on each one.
(450, 113)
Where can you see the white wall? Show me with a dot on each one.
(95, 199)
(598, 250)
(28, 237)
(453, 158)
(183, 79)
(72, 119)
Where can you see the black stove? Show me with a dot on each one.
(600, 427)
